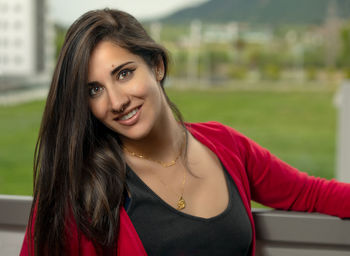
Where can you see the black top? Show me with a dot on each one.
(164, 230)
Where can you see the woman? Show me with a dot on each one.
(117, 171)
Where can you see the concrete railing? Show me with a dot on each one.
(14, 212)
(279, 233)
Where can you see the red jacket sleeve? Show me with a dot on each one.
(276, 184)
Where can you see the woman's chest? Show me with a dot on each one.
(164, 230)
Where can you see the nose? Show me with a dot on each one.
(118, 100)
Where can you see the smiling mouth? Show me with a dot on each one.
(129, 115)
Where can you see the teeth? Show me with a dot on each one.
(129, 115)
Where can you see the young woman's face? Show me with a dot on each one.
(124, 92)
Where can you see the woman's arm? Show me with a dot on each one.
(276, 184)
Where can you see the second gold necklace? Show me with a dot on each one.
(181, 203)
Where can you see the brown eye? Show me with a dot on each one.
(95, 90)
(124, 74)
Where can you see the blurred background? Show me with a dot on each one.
(271, 69)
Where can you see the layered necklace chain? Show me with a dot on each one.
(181, 203)
(164, 164)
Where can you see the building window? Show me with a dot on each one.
(18, 8)
(18, 60)
(5, 42)
(4, 7)
(4, 24)
(18, 42)
(17, 24)
(5, 59)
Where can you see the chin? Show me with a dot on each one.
(134, 136)
(138, 133)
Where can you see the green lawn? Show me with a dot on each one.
(299, 127)
(18, 133)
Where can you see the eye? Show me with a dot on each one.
(95, 90)
(125, 74)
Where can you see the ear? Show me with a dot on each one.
(159, 70)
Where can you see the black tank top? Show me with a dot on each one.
(164, 230)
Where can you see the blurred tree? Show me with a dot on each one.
(179, 60)
(332, 28)
(271, 72)
(344, 58)
(237, 72)
(314, 56)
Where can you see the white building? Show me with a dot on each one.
(26, 38)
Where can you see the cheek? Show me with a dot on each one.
(138, 88)
(144, 85)
(97, 109)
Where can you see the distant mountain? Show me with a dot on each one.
(263, 11)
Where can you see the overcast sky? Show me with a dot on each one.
(66, 11)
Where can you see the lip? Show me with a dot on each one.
(133, 120)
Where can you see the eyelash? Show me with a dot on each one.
(129, 72)
(94, 93)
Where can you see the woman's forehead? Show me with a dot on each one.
(106, 50)
(107, 56)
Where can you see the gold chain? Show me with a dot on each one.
(164, 164)
(181, 204)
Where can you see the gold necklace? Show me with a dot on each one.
(181, 203)
(164, 164)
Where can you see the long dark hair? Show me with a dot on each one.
(79, 169)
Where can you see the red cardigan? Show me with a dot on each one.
(258, 175)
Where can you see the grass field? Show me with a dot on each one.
(298, 127)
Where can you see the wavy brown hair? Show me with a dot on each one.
(79, 169)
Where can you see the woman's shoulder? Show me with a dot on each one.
(218, 135)
(215, 129)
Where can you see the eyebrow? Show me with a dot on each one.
(120, 67)
(113, 72)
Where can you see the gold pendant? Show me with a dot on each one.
(181, 204)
